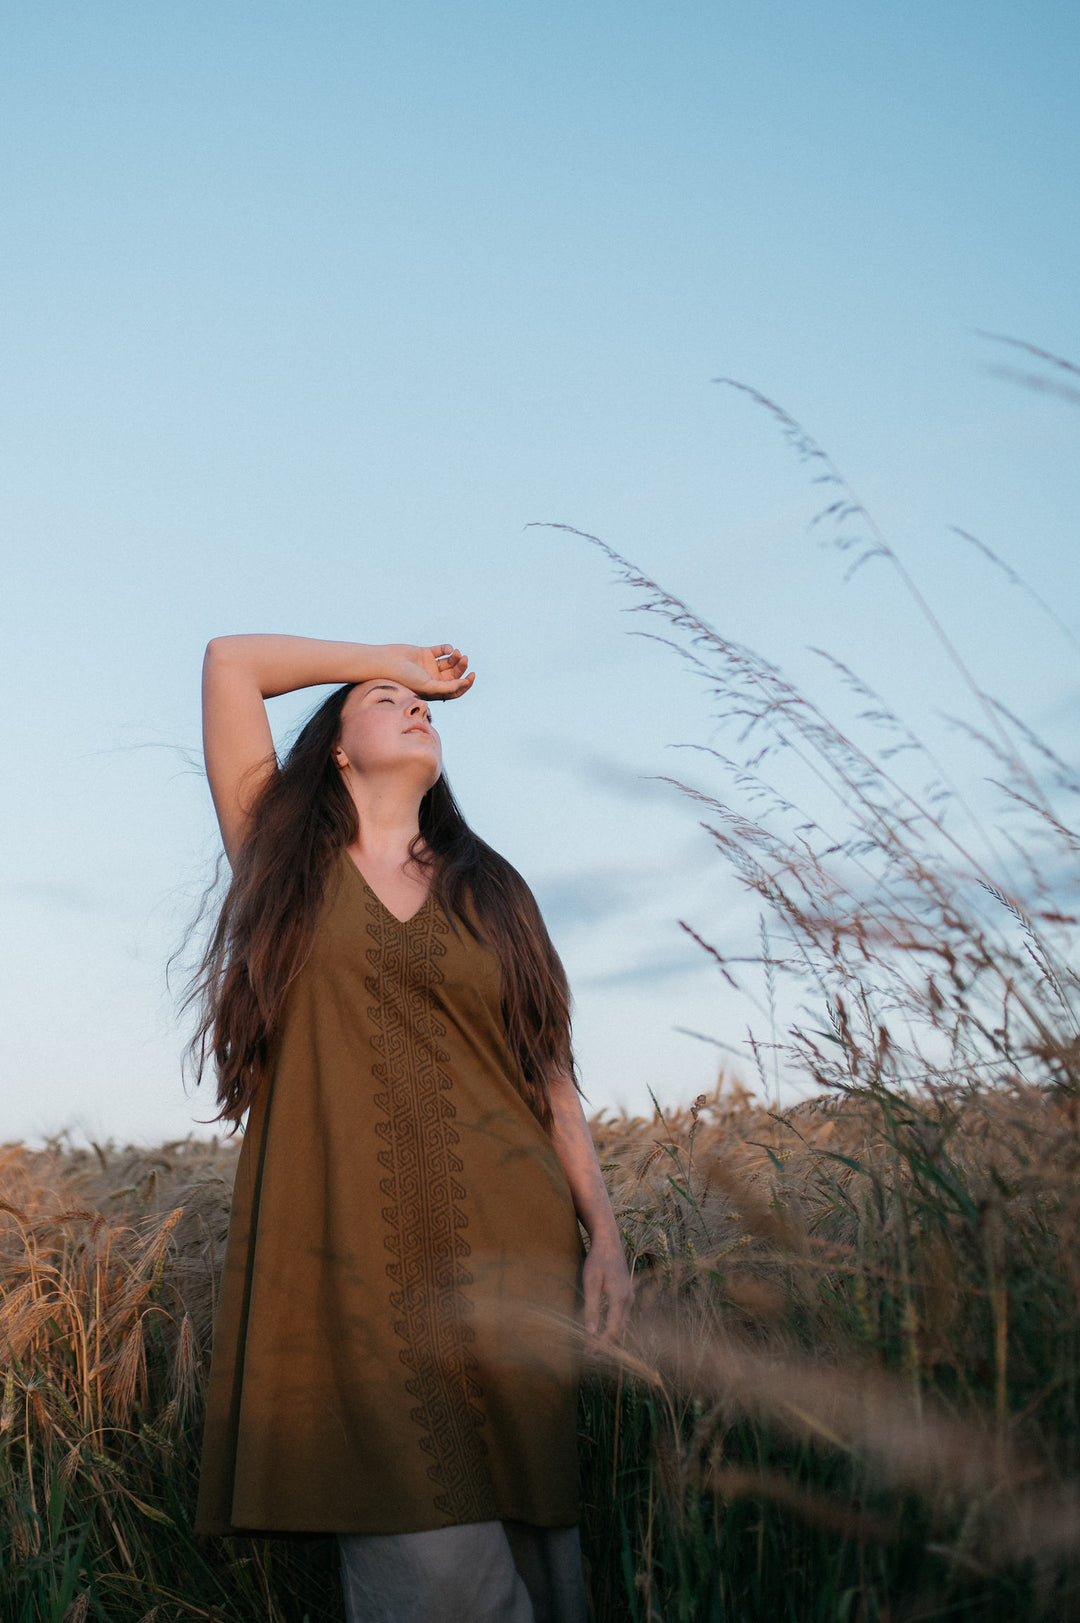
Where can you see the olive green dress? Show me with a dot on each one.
(393, 1343)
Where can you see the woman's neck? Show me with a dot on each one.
(389, 817)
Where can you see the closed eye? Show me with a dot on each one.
(386, 699)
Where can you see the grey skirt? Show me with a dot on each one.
(478, 1572)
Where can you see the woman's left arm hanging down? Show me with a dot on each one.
(606, 1276)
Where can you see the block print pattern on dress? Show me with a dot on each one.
(424, 1219)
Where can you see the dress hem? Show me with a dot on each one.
(517, 1513)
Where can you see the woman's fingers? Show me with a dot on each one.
(610, 1288)
(452, 670)
(594, 1285)
(444, 691)
(619, 1298)
(448, 658)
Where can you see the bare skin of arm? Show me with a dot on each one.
(240, 672)
(606, 1276)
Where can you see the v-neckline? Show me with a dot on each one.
(401, 923)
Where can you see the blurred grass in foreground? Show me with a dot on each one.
(849, 1392)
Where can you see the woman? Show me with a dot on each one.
(394, 1358)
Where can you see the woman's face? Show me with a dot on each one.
(387, 727)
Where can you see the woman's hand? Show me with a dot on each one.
(437, 672)
(606, 1280)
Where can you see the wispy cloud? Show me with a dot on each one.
(600, 771)
(55, 894)
(648, 971)
(589, 897)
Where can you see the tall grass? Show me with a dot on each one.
(856, 1361)
(849, 1390)
(108, 1266)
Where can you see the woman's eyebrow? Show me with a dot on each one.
(393, 687)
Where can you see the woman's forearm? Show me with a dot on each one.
(280, 664)
(608, 1291)
(577, 1154)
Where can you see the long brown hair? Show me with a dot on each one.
(266, 926)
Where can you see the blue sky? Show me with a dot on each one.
(308, 311)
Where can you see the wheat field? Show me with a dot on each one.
(848, 1390)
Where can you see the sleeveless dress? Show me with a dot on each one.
(394, 1343)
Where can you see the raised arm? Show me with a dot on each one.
(241, 672)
